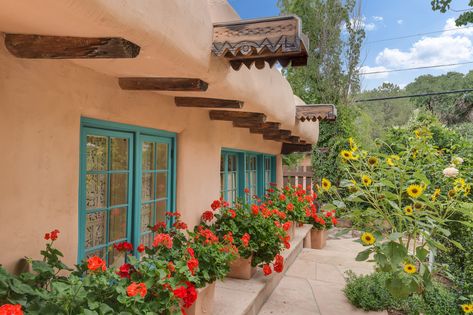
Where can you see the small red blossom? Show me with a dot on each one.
(123, 247)
(328, 214)
(246, 190)
(47, 236)
(290, 207)
(254, 209)
(141, 248)
(180, 225)
(245, 240)
(192, 264)
(125, 271)
(158, 226)
(191, 251)
(282, 197)
(162, 239)
(208, 235)
(278, 263)
(95, 263)
(176, 214)
(54, 235)
(171, 267)
(215, 205)
(137, 289)
(10, 309)
(286, 226)
(207, 216)
(232, 213)
(334, 221)
(267, 270)
(187, 294)
(229, 237)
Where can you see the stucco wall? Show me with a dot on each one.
(41, 103)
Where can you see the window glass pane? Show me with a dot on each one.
(99, 252)
(161, 185)
(119, 153)
(115, 258)
(146, 216)
(161, 208)
(147, 239)
(231, 181)
(117, 224)
(162, 159)
(147, 187)
(95, 231)
(147, 162)
(97, 151)
(96, 191)
(232, 163)
(118, 189)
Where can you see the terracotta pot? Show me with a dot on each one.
(205, 301)
(318, 238)
(241, 269)
(292, 230)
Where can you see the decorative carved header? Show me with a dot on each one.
(314, 112)
(277, 39)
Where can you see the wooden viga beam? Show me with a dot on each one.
(288, 148)
(163, 84)
(260, 41)
(256, 128)
(203, 102)
(67, 47)
(226, 115)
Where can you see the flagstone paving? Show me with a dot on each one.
(314, 282)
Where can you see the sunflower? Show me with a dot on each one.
(372, 161)
(415, 191)
(451, 193)
(326, 184)
(436, 194)
(352, 144)
(467, 308)
(347, 155)
(368, 238)
(408, 210)
(366, 180)
(418, 206)
(390, 162)
(418, 133)
(467, 190)
(410, 268)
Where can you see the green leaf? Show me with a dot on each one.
(89, 312)
(362, 256)
(395, 236)
(328, 207)
(421, 253)
(394, 205)
(342, 232)
(457, 244)
(388, 183)
(339, 204)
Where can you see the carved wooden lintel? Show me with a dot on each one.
(162, 84)
(255, 118)
(203, 102)
(316, 112)
(66, 47)
(260, 41)
(288, 148)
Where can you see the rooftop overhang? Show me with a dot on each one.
(259, 41)
(316, 112)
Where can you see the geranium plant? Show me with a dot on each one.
(291, 200)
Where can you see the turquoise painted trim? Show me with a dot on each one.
(135, 134)
(260, 178)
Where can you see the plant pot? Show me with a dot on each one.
(318, 238)
(292, 231)
(241, 268)
(205, 301)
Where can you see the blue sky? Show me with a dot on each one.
(385, 19)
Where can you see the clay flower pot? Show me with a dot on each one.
(318, 238)
(241, 268)
(205, 301)
(292, 230)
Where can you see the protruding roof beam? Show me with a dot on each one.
(256, 118)
(316, 112)
(162, 84)
(203, 102)
(67, 47)
(288, 148)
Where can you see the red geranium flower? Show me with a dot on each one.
(10, 309)
(290, 207)
(286, 226)
(47, 236)
(180, 225)
(192, 264)
(207, 216)
(158, 226)
(162, 239)
(246, 190)
(334, 221)
(141, 248)
(215, 205)
(94, 263)
(232, 213)
(191, 252)
(137, 289)
(123, 247)
(125, 271)
(187, 294)
(229, 237)
(171, 266)
(245, 239)
(279, 263)
(254, 209)
(282, 197)
(267, 270)
(54, 235)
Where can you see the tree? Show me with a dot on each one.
(444, 5)
(335, 30)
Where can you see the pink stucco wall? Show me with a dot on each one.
(41, 103)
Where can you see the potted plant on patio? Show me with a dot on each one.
(254, 232)
(321, 223)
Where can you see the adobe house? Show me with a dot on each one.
(114, 112)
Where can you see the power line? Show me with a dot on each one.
(413, 95)
(418, 34)
(417, 68)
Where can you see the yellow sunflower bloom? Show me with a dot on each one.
(467, 308)
(347, 155)
(408, 210)
(326, 184)
(418, 205)
(451, 193)
(410, 268)
(366, 180)
(390, 162)
(436, 194)
(372, 161)
(415, 191)
(352, 144)
(467, 190)
(368, 238)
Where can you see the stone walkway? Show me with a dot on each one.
(314, 283)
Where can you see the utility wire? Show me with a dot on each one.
(417, 68)
(413, 95)
(418, 34)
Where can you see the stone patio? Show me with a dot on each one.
(314, 283)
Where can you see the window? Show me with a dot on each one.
(241, 169)
(126, 184)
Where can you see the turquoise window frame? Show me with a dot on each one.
(242, 155)
(136, 134)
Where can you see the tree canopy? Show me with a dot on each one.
(445, 5)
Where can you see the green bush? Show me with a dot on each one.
(370, 293)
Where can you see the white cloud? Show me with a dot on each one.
(400, 22)
(378, 18)
(367, 69)
(451, 29)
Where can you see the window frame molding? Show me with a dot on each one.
(136, 135)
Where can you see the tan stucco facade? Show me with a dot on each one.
(42, 102)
